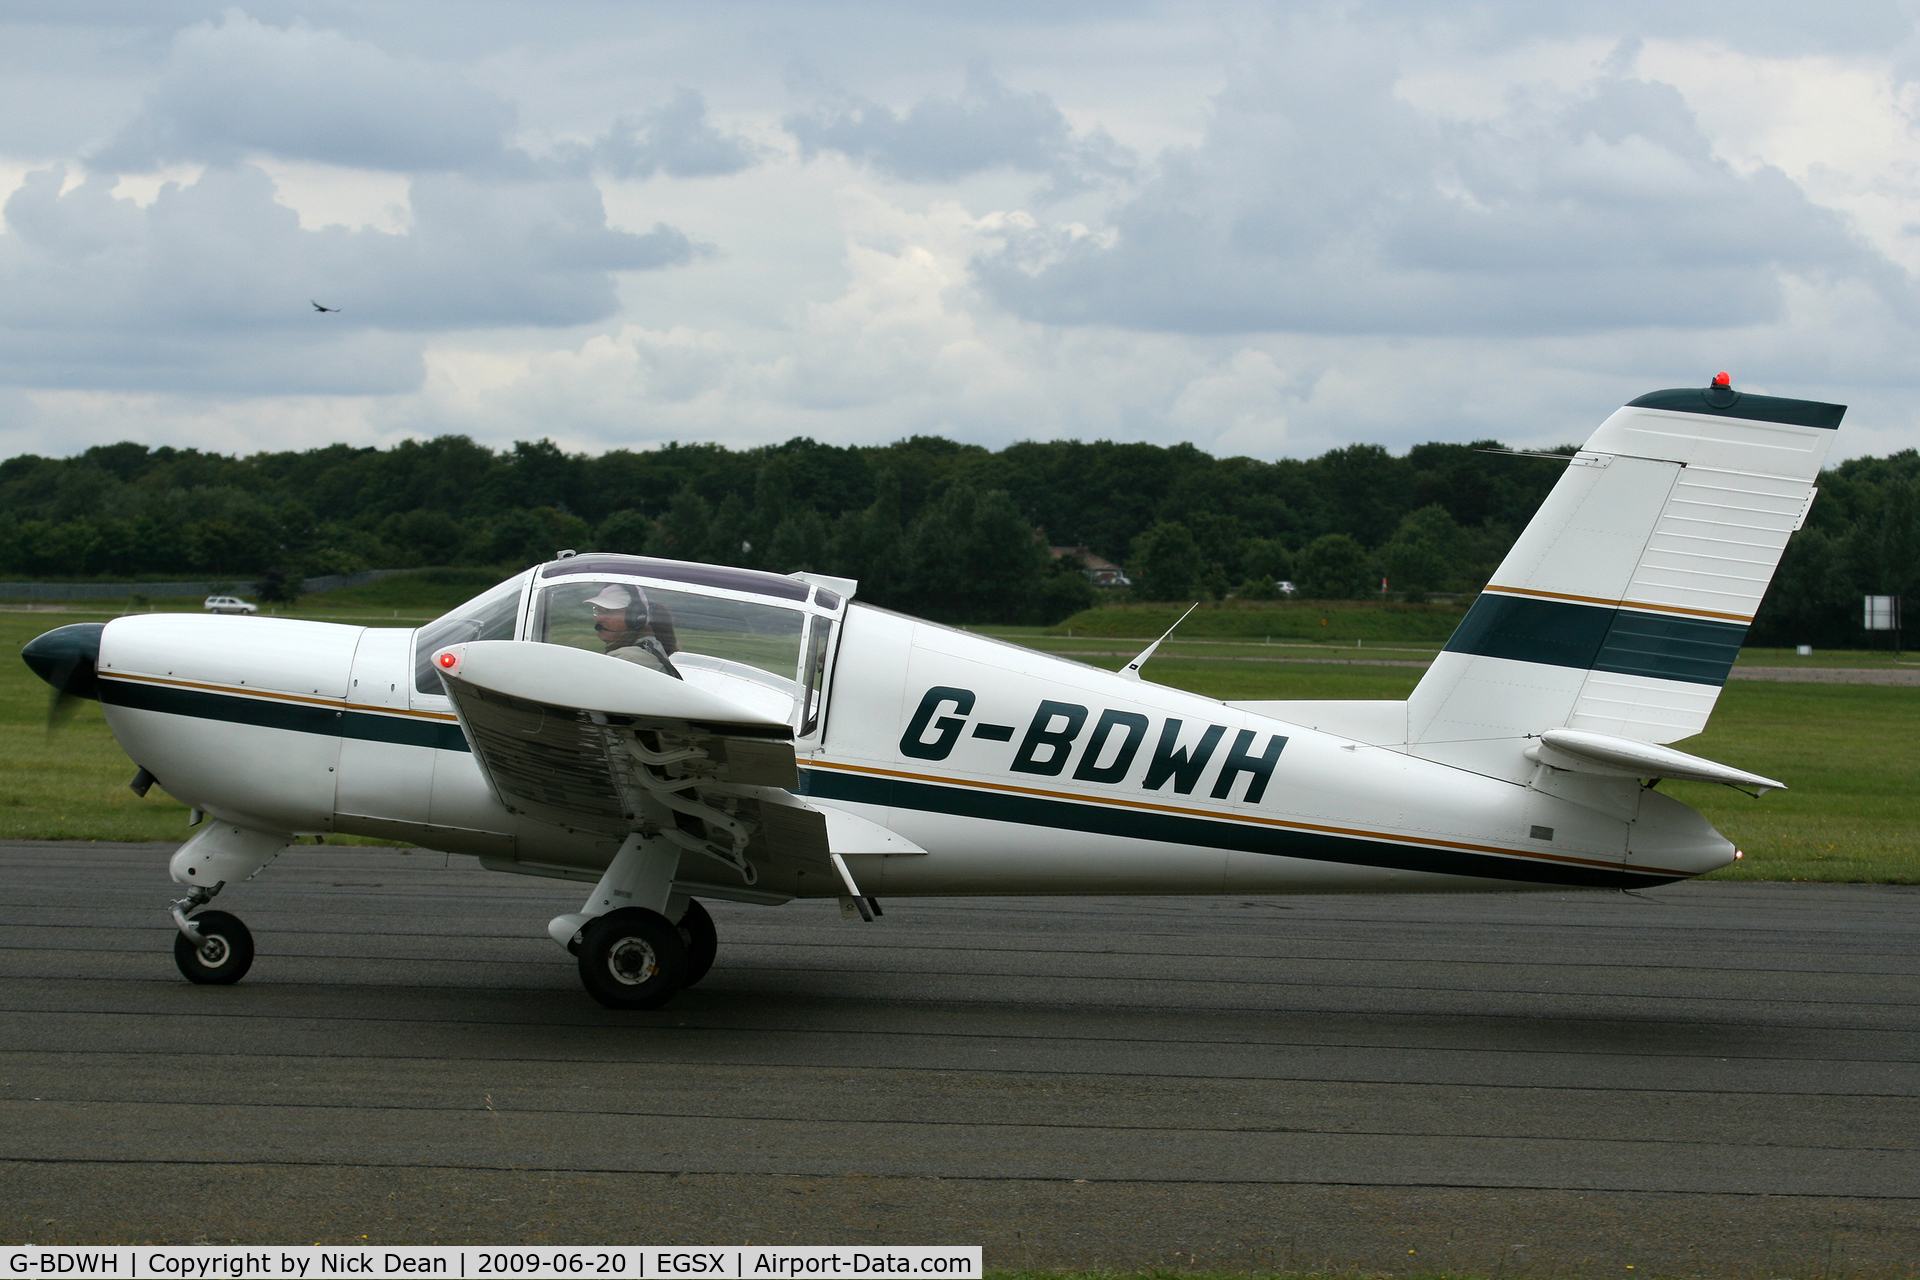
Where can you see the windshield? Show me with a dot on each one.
(688, 630)
(493, 615)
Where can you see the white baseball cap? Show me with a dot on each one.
(619, 597)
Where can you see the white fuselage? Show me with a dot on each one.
(1016, 772)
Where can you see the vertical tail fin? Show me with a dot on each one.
(1622, 606)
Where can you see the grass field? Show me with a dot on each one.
(419, 595)
(71, 784)
(1328, 621)
(1850, 753)
(426, 592)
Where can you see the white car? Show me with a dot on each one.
(230, 604)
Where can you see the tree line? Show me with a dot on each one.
(930, 526)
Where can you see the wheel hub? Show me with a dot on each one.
(632, 962)
(213, 952)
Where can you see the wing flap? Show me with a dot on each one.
(849, 833)
(756, 762)
(792, 834)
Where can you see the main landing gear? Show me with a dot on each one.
(633, 958)
(637, 940)
(702, 939)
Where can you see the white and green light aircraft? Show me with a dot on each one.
(666, 731)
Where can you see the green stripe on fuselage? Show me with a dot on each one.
(294, 717)
(1205, 833)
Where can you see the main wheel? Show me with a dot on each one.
(632, 958)
(225, 955)
(702, 939)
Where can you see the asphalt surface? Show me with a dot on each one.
(1708, 1079)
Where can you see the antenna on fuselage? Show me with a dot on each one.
(1132, 670)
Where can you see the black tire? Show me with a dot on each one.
(225, 956)
(702, 939)
(632, 958)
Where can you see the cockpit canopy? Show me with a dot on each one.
(758, 639)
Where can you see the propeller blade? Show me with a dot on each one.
(67, 658)
(60, 707)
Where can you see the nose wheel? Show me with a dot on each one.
(220, 956)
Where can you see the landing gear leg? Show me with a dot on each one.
(632, 954)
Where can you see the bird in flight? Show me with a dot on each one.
(318, 307)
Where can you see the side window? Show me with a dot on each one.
(814, 672)
(736, 635)
(492, 616)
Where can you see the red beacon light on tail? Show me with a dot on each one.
(1723, 379)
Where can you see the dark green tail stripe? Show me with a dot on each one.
(1599, 638)
(292, 716)
(1651, 644)
(1725, 402)
(1528, 630)
(1110, 820)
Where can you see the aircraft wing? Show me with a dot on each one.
(592, 743)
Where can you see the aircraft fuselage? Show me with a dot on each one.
(1016, 771)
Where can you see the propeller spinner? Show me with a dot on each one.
(67, 658)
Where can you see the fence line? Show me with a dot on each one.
(121, 590)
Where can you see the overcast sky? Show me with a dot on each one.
(1266, 229)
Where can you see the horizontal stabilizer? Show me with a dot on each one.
(1579, 751)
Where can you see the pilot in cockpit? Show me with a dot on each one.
(631, 630)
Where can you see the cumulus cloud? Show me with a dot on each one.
(1769, 26)
(238, 87)
(900, 347)
(203, 287)
(1320, 201)
(941, 139)
(206, 288)
(676, 139)
(1394, 223)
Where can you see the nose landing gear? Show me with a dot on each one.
(212, 948)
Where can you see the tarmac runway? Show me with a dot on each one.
(1707, 1079)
